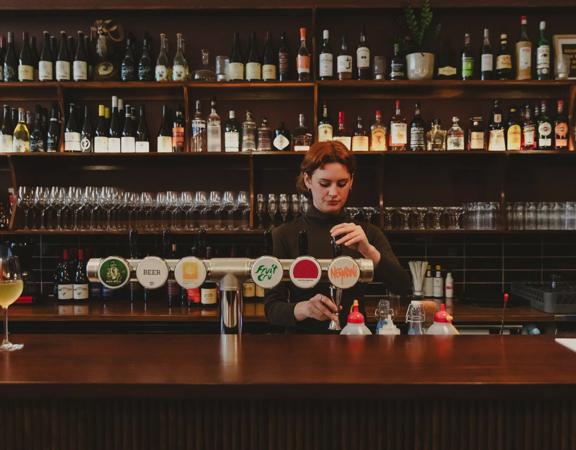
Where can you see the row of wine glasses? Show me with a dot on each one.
(423, 218)
(540, 215)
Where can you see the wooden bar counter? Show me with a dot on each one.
(71, 392)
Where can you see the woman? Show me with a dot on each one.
(326, 176)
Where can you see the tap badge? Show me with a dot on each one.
(190, 272)
(152, 272)
(267, 272)
(343, 272)
(305, 272)
(114, 272)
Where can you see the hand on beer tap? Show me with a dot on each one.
(318, 307)
(353, 236)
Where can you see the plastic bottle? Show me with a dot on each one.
(449, 286)
(442, 325)
(385, 325)
(415, 318)
(355, 325)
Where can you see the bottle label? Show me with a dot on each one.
(281, 142)
(80, 69)
(178, 72)
(25, 73)
(455, 142)
(71, 141)
(476, 140)
(544, 135)
(543, 59)
(346, 140)
(65, 292)
(514, 141)
(360, 143)
(164, 144)
(142, 147)
(269, 72)
(417, 138)
(85, 145)
(178, 138)
(45, 71)
(235, 71)
(398, 134)
(529, 132)
(497, 118)
(161, 73)
(114, 145)
(81, 291)
(6, 143)
(36, 145)
(487, 62)
(561, 131)
(231, 141)
(10, 74)
(496, 140)
(378, 140)
(363, 57)
(214, 140)
(447, 71)
(63, 70)
(467, 66)
(503, 62)
(128, 144)
(20, 145)
(301, 148)
(100, 144)
(209, 296)
(344, 64)
(303, 63)
(253, 71)
(283, 63)
(397, 71)
(324, 132)
(326, 65)
(193, 295)
(525, 58)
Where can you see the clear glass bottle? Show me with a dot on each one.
(21, 137)
(249, 133)
(436, 137)
(543, 54)
(455, 136)
(214, 130)
(378, 134)
(524, 53)
(398, 130)
(476, 135)
(303, 58)
(360, 139)
(231, 133)
(198, 130)
(264, 139)
(180, 65)
(206, 71)
(162, 70)
(302, 135)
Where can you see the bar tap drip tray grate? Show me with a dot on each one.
(560, 299)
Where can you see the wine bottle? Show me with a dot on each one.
(231, 133)
(128, 140)
(87, 134)
(115, 130)
(63, 59)
(253, 65)
(281, 141)
(88, 50)
(326, 58)
(178, 142)
(142, 138)
(325, 130)
(236, 65)
(543, 54)
(496, 135)
(283, 59)
(397, 64)
(360, 140)
(486, 58)
(269, 62)
(180, 66)
(25, 62)
(63, 279)
(467, 59)
(162, 69)
(37, 143)
(46, 63)
(303, 58)
(80, 64)
(128, 65)
(10, 60)
(6, 131)
(524, 53)
(198, 139)
(363, 57)
(81, 292)
(504, 60)
(561, 127)
(417, 132)
(72, 131)
(342, 135)
(145, 70)
(214, 130)
(344, 61)
(101, 133)
(35, 57)
(2, 56)
(53, 134)
(164, 139)
(544, 130)
(21, 137)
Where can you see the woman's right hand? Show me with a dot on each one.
(318, 307)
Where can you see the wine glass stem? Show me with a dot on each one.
(5, 340)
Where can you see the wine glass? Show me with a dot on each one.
(11, 286)
(284, 207)
(243, 207)
(260, 209)
(272, 208)
(26, 201)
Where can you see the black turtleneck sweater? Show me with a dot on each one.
(280, 301)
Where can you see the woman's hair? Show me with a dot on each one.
(322, 153)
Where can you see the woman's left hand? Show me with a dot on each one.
(352, 236)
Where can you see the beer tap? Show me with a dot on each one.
(335, 292)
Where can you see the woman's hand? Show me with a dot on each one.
(318, 307)
(353, 236)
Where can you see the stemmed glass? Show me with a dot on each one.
(41, 199)
(26, 201)
(11, 286)
(272, 208)
(227, 210)
(284, 207)
(304, 204)
(260, 209)
(295, 205)
(243, 207)
(215, 206)
(200, 209)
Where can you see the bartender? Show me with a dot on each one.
(326, 177)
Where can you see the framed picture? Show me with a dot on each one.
(565, 46)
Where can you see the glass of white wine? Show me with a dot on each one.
(11, 287)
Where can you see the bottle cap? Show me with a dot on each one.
(355, 316)
(442, 316)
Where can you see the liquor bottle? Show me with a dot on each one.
(455, 136)
(447, 62)
(486, 58)
(128, 139)
(198, 128)
(53, 134)
(35, 57)
(206, 71)
(249, 133)
(6, 131)
(231, 133)
(209, 290)
(513, 131)
(63, 59)
(436, 137)
(115, 131)
(81, 291)
(283, 59)
(46, 63)
(142, 136)
(128, 65)
(162, 70)
(145, 69)
(363, 57)
(25, 62)
(344, 61)
(302, 135)
(11, 60)
(504, 60)
(269, 62)
(281, 141)
(398, 130)
(178, 127)
(561, 127)
(164, 139)
(236, 65)
(264, 137)
(543, 54)
(72, 131)
(180, 65)
(87, 135)
(544, 130)
(324, 126)
(253, 65)
(326, 58)
(360, 140)
(342, 135)
(303, 58)
(214, 130)
(80, 63)
(417, 132)
(101, 133)
(397, 64)
(524, 53)
(528, 130)
(378, 134)
(37, 142)
(467, 60)
(496, 135)
(63, 279)
(476, 135)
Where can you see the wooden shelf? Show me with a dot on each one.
(22, 232)
(408, 84)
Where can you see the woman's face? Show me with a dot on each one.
(330, 186)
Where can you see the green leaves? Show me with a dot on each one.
(421, 29)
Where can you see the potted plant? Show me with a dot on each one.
(422, 35)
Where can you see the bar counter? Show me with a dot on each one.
(287, 392)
